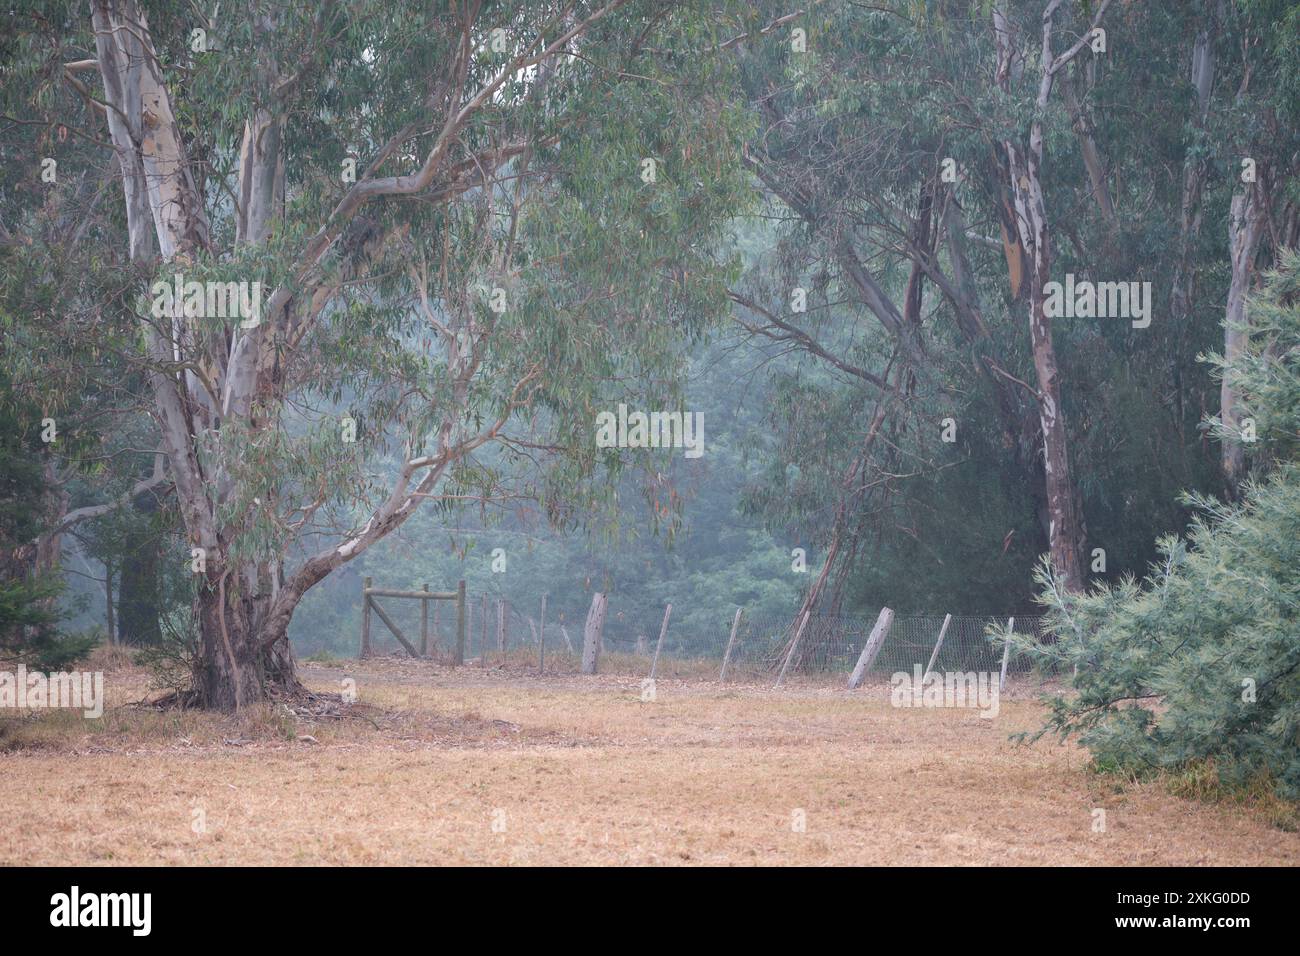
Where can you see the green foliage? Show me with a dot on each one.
(1200, 661)
(21, 480)
(887, 93)
(29, 617)
(29, 626)
(1267, 373)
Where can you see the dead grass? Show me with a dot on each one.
(497, 765)
(1201, 781)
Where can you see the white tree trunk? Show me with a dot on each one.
(1245, 227)
(1024, 166)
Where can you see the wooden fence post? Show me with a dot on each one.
(482, 631)
(567, 643)
(592, 634)
(1006, 653)
(872, 647)
(794, 645)
(934, 655)
(663, 629)
(735, 623)
(541, 639)
(424, 625)
(501, 628)
(460, 623)
(365, 620)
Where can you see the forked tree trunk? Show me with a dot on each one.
(243, 613)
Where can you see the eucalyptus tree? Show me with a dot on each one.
(1253, 138)
(452, 227)
(1229, 683)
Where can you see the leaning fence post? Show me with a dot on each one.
(1006, 652)
(460, 622)
(541, 639)
(365, 620)
(872, 647)
(947, 618)
(663, 629)
(794, 645)
(735, 623)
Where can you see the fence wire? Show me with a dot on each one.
(831, 645)
(828, 649)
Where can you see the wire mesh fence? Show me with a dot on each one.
(831, 645)
(499, 632)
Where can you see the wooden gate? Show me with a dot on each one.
(368, 604)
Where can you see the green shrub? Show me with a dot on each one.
(29, 631)
(1199, 663)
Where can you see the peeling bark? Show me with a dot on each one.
(1024, 165)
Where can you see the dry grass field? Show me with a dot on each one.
(499, 766)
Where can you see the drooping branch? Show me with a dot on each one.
(156, 480)
(805, 341)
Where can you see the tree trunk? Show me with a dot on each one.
(1064, 530)
(1194, 173)
(1245, 226)
(138, 599)
(242, 660)
(1024, 168)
